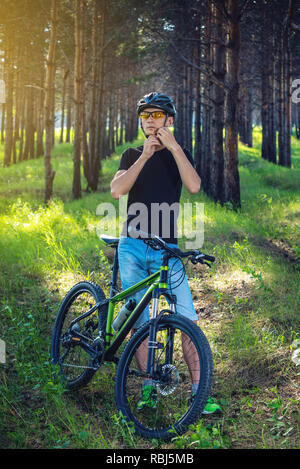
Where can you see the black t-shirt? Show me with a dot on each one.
(158, 188)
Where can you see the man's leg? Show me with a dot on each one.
(191, 357)
(131, 255)
(141, 354)
(178, 285)
(132, 264)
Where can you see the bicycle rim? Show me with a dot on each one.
(176, 368)
(74, 361)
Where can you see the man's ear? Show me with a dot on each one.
(170, 121)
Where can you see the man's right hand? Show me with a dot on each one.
(151, 145)
(124, 179)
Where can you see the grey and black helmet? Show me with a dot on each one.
(159, 101)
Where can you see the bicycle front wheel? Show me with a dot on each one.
(182, 358)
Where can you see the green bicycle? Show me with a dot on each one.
(86, 335)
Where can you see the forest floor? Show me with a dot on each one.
(248, 306)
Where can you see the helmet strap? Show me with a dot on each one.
(142, 128)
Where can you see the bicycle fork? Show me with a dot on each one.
(153, 344)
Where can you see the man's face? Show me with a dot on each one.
(151, 125)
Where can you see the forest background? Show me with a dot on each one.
(71, 74)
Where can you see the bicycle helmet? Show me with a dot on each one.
(157, 100)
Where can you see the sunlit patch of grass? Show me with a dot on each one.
(248, 304)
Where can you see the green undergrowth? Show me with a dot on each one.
(248, 306)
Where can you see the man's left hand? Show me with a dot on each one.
(167, 138)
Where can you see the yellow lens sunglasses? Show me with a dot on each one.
(154, 114)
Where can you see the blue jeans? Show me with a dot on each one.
(137, 261)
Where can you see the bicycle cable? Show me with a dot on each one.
(179, 280)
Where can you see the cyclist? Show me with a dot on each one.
(152, 175)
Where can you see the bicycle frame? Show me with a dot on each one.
(157, 286)
(114, 340)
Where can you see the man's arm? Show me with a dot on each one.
(124, 179)
(188, 174)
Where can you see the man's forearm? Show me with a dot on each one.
(123, 183)
(188, 174)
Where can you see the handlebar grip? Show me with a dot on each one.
(210, 258)
(201, 257)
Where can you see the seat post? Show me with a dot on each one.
(113, 285)
(112, 242)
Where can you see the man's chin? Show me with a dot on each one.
(149, 132)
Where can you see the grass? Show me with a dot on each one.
(248, 306)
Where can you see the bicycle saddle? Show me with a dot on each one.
(110, 240)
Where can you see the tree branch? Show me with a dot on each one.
(288, 20)
(295, 27)
(244, 8)
(210, 74)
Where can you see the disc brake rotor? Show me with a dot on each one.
(173, 379)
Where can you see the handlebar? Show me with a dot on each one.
(159, 244)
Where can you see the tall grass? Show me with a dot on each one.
(248, 307)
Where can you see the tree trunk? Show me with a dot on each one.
(100, 113)
(280, 105)
(40, 118)
(250, 117)
(93, 106)
(69, 107)
(190, 110)
(207, 109)
(285, 91)
(272, 151)
(9, 102)
(297, 121)
(122, 116)
(268, 150)
(16, 136)
(63, 100)
(22, 119)
(84, 142)
(288, 100)
(231, 174)
(78, 99)
(49, 114)
(30, 123)
(3, 116)
(265, 72)
(197, 147)
(217, 156)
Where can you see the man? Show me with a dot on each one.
(152, 175)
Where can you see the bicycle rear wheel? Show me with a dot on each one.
(75, 362)
(182, 356)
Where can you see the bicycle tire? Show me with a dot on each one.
(180, 402)
(80, 359)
